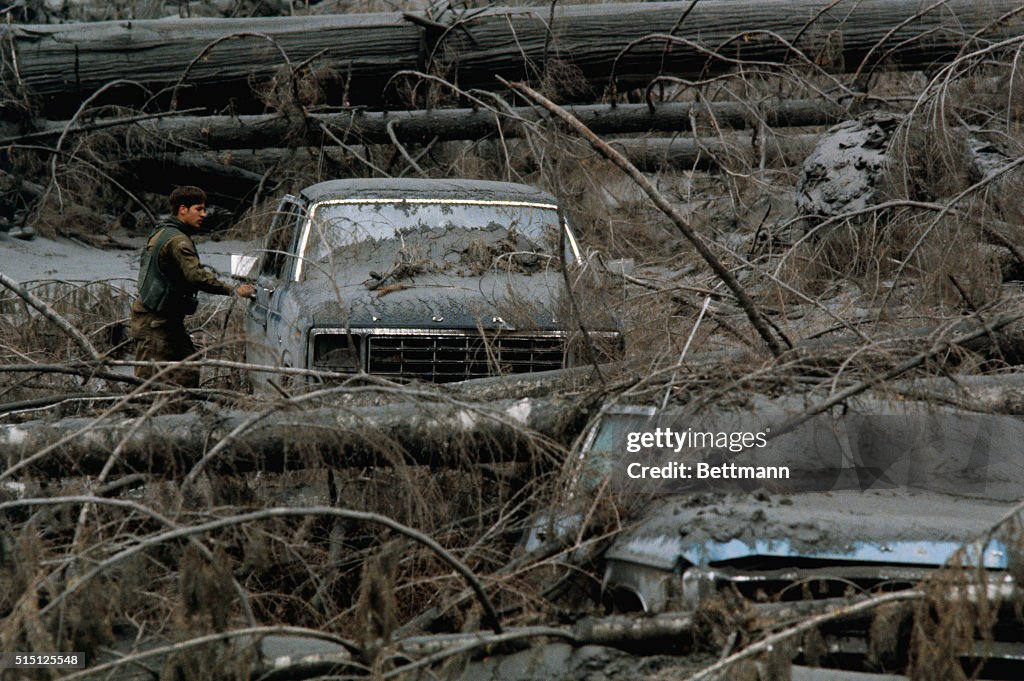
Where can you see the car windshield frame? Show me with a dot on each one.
(304, 237)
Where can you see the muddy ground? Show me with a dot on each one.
(72, 260)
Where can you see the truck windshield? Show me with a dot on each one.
(336, 225)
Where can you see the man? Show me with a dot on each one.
(170, 275)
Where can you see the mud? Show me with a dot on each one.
(832, 523)
(586, 663)
(848, 169)
(844, 171)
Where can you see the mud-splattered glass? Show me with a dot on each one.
(435, 230)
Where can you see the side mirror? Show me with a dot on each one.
(242, 266)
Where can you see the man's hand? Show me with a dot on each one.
(245, 291)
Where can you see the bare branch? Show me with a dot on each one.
(80, 340)
(279, 512)
(755, 316)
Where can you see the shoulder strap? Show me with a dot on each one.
(165, 234)
(154, 287)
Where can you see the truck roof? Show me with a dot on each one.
(426, 188)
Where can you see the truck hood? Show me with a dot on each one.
(898, 527)
(439, 300)
(882, 483)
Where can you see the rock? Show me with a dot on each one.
(845, 169)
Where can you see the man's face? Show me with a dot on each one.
(192, 215)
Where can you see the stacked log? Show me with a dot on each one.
(213, 61)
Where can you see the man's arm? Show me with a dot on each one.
(181, 250)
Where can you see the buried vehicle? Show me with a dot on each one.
(437, 280)
(868, 501)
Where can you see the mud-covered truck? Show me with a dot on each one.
(437, 280)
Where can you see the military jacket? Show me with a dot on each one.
(170, 279)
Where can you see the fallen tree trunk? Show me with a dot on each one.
(422, 126)
(160, 172)
(434, 434)
(293, 654)
(236, 175)
(989, 394)
(625, 631)
(357, 54)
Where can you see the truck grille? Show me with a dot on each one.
(459, 356)
(877, 641)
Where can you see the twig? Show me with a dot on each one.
(64, 325)
(75, 368)
(349, 149)
(405, 154)
(810, 22)
(1000, 239)
(60, 140)
(900, 368)
(214, 43)
(482, 641)
(766, 644)
(95, 167)
(856, 79)
(51, 400)
(672, 31)
(977, 312)
(682, 355)
(209, 638)
(508, 112)
(988, 179)
(564, 266)
(92, 127)
(83, 514)
(309, 60)
(87, 500)
(715, 53)
(89, 426)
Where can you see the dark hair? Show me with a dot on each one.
(187, 196)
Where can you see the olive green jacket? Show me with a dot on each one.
(177, 270)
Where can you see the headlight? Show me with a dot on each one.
(337, 352)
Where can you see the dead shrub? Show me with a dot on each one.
(562, 81)
(205, 587)
(886, 250)
(889, 630)
(294, 88)
(929, 159)
(98, 309)
(954, 613)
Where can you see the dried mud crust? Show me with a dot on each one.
(586, 663)
(844, 171)
(818, 522)
(852, 166)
